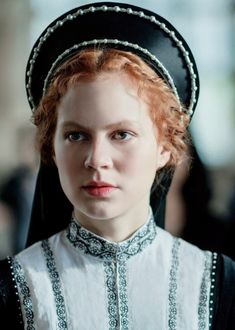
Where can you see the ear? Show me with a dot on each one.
(163, 157)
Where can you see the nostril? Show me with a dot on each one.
(96, 163)
(98, 156)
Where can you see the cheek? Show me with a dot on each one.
(63, 158)
(141, 162)
(67, 163)
(68, 173)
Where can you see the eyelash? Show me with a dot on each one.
(70, 134)
(124, 132)
(85, 136)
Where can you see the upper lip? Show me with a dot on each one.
(98, 184)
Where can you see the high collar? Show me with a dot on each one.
(96, 246)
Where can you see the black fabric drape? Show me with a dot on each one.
(51, 210)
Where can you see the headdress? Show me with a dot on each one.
(109, 25)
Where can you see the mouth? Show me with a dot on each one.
(99, 189)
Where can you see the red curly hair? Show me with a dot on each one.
(165, 110)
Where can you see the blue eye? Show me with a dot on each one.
(76, 136)
(122, 135)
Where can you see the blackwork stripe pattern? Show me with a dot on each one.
(116, 284)
(203, 314)
(24, 293)
(56, 286)
(172, 295)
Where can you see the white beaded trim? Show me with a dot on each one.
(114, 42)
(117, 9)
(211, 299)
(23, 290)
(9, 260)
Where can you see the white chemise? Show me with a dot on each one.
(77, 280)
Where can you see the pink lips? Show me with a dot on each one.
(99, 188)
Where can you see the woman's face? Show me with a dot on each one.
(106, 148)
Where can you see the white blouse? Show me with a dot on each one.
(77, 280)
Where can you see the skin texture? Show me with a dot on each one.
(104, 133)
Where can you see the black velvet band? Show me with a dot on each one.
(10, 310)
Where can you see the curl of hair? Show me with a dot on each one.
(165, 110)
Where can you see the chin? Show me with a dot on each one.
(97, 212)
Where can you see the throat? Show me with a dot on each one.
(117, 229)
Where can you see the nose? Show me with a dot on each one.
(98, 155)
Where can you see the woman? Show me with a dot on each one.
(113, 88)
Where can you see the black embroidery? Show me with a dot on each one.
(56, 285)
(89, 243)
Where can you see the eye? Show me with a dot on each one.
(76, 136)
(122, 135)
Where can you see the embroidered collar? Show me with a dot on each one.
(97, 246)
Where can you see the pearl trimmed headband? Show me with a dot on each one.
(107, 41)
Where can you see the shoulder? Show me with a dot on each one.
(218, 274)
(193, 265)
(192, 276)
(188, 253)
(33, 256)
(12, 272)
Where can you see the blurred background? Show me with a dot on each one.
(201, 203)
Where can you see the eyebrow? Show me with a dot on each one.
(120, 124)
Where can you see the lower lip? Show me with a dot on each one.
(103, 191)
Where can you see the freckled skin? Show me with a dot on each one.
(104, 133)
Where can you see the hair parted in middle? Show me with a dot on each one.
(166, 112)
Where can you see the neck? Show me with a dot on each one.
(116, 229)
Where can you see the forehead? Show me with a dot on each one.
(109, 97)
(112, 77)
(105, 87)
